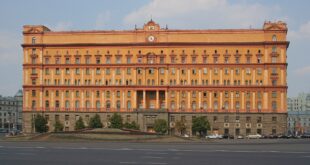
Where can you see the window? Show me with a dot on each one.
(47, 60)
(215, 105)
(194, 60)
(67, 71)
(161, 60)
(98, 61)
(205, 71)
(204, 60)
(33, 93)
(118, 71)
(107, 71)
(237, 71)
(77, 60)
(237, 60)
(33, 41)
(118, 60)
(87, 60)
(274, 105)
(128, 60)
(274, 49)
(108, 60)
(274, 38)
(57, 72)
(172, 60)
(151, 71)
(98, 71)
(237, 105)
(274, 94)
(67, 60)
(273, 59)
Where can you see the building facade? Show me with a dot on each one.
(11, 112)
(298, 109)
(234, 77)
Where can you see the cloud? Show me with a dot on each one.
(302, 33)
(203, 13)
(102, 19)
(303, 71)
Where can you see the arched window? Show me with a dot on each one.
(47, 104)
(57, 104)
(87, 103)
(259, 106)
(67, 104)
(77, 104)
(205, 105)
(274, 38)
(226, 105)
(118, 105)
(172, 105)
(215, 105)
(248, 106)
(98, 104)
(128, 105)
(108, 103)
(183, 105)
(194, 105)
(237, 105)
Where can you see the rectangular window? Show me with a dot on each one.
(107, 71)
(67, 71)
(205, 60)
(118, 71)
(161, 60)
(87, 60)
(108, 60)
(77, 71)
(98, 61)
(67, 60)
(205, 71)
(87, 71)
(98, 71)
(77, 60)
(57, 72)
(128, 60)
(129, 71)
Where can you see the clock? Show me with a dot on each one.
(151, 38)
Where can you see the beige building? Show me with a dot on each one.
(234, 77)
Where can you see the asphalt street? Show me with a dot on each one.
(250, 152)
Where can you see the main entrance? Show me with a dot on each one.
(151, 100)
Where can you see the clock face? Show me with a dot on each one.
(151, 38)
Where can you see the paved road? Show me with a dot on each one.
(251, 152)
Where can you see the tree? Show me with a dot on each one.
(116, 121)
(58, 126)
(40, 124)
(132, 125)
(201, 125)
(95, 122)
(161, 126)
(180, 126)
(79, 124)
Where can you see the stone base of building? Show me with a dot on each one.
(221, 123)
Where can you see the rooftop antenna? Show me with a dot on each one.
(135, 26)
(166, 27)
(151, 17)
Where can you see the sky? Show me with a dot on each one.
(61, 15)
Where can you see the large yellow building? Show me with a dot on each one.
(234, 77)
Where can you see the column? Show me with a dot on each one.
(189, 99)
(189, 76)
(242, 75)
(178, 76)
(157, 99)
(134, 104)
(82, 94)
(282, 77)
(144, 99)
(92, 99)
(266, 76)
(123, 99)
(232, 76)
(166, 99)
(221, 100)
(242, 100)
(199, 80)
(113, 100)
(221, 76)
(254, 101)
(282, 102)
(199, 99)
(178, 100)
(265, 106)
(232, 100)
(210, 99)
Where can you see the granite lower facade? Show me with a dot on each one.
(221, 123)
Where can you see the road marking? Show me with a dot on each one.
(151, 157)
(128, 162)
(156, 153)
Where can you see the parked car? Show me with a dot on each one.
(305, 135)
(228, 136)
(240, 137)
(256, 136)
(2, 130)
(214, 136)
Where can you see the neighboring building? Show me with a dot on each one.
(298, 109)
(11, 111)
(234, 77)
